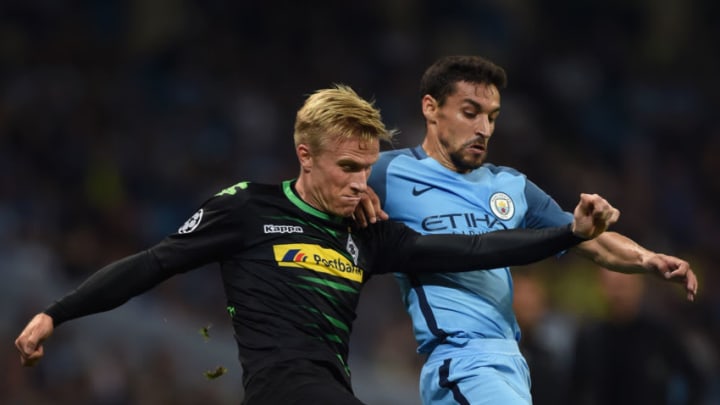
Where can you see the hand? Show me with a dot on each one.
(593, 215)
(369, 210)
(30, 340)
(673, 269)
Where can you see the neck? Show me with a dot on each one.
(432, 148)
(301, 188)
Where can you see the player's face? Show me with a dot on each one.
(459, 130)
(336, 177)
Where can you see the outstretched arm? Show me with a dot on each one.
(448, 253)
(106, 289)
(619, 253)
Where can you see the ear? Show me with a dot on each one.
(304, 157)
(429, 107)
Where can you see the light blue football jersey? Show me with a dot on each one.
(430, 198)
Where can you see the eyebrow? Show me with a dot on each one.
(478, 106)
(353, 163)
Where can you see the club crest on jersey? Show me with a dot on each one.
(352, 248)
(192, 223)
(502, 206)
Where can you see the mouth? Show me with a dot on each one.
(476, 147)
(352, 199)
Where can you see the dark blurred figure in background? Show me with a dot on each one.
(547, 338)
(632, 357)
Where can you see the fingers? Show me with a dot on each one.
(600, 209)
(377, 211)
(382, 215)
(29, 342)
(30, 359)
(684, 274)
(30, 349)
(359, 217)
(364, 213)
(369, 210)
(593, 216)
(676, 270)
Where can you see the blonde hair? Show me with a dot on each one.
(338, 112)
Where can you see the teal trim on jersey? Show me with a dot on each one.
(331, 337)
(334, 338)
(330, 284)
(232, 190)
(290, 194)
(334, 321)
(317, 290)
(347, 369)
(337, 323)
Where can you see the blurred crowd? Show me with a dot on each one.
(118, 118)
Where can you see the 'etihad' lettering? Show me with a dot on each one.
(453, 222)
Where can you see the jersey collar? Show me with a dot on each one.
(419, 152)
(288, 187)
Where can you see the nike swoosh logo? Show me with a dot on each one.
(417, 192)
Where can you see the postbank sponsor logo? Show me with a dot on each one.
(316, 258)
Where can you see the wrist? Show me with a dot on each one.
(580, 235)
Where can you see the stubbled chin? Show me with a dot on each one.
(345, 211)
(470, 162)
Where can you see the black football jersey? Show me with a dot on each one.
(293, 274)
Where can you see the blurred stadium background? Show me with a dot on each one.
(118, 118)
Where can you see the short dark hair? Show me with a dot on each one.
(440, 78)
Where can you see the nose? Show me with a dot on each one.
(483, 127)
(358, 182)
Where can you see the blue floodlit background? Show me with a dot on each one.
(118, 118)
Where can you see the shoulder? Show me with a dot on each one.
(236, 204)
(394, 156)
(389, 155)
(380, 169)
(500, 170)
(240, 194)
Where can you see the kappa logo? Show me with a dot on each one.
(282, 229)
(416, 192)
(502, 206)
(192, 223)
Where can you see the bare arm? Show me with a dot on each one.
(621, 254)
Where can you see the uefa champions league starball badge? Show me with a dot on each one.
(192, 223)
